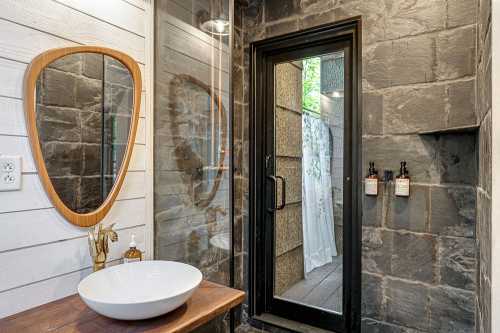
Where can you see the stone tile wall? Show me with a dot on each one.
(483, 109)
(419, 75)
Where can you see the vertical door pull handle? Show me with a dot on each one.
(283, 192)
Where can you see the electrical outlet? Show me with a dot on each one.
(10, 173)
(8, 166)
(9, 178)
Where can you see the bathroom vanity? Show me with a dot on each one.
(70, 314)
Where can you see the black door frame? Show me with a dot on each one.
(264, 54)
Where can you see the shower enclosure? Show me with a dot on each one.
(192, 135)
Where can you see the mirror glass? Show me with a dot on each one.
(198, 109)
(309, 148)
(84, 108)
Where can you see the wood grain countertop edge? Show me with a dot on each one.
(47, 317)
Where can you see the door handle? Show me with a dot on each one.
(283, 192)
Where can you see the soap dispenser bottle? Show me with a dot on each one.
(132, 254)
(402, 182)
(371, 181)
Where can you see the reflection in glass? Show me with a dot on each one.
(309, 109)
(84, 105)
(200, 157)
(192, 198)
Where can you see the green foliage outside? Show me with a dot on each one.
(311, 81)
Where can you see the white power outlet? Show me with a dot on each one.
(10, 173)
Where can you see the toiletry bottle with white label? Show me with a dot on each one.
(132, 254)
(371, 181)
(402, 182)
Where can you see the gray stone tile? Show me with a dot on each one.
(92, 65)
(369, 325)
(484, 17)
(373, 207)
(91, 160)
(406, 18)
(58, 124)
(63, 158)
(246, 328)
(373, 13)
(484, 297)
(414, 257)
(88, 201)
(253, 15)
(376, 250)
(400, 62)
(412, 110)
(457, 262)
(373, 117)
(58, 88)
(456, 51)
(88, 92)
(255, 34)
(483, 235)
(453, 211)
(91, 126)
(323, 17)
(458, 158)
(65, 188)
(484, 174)
(459, 12)
(238, 83)
(371, 296)
(451, 310)
(116, 73)
(461, 108)
(317, 6)
(70, 63)
(418, 151)
(484, 90)
(407, 304)
(277, 10)
(282, 27)
(409, 213)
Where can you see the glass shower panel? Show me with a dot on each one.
(309, 159)
(192, 197)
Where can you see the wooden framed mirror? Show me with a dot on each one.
(82, 108)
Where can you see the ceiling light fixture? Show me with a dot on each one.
(217, 26)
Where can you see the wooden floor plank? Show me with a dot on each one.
(322, 287)
(334, 301)
(302, 288)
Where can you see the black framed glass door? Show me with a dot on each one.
(305, 213)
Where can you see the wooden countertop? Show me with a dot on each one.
(70, 314)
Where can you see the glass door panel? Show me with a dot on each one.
(309, 162)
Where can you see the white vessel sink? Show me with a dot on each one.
(139, 290)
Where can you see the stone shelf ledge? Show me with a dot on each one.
(462, 129)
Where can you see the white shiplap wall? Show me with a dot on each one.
(42, 256)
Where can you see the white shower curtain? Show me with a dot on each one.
(317, 206)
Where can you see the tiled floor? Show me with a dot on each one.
(321, 288)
